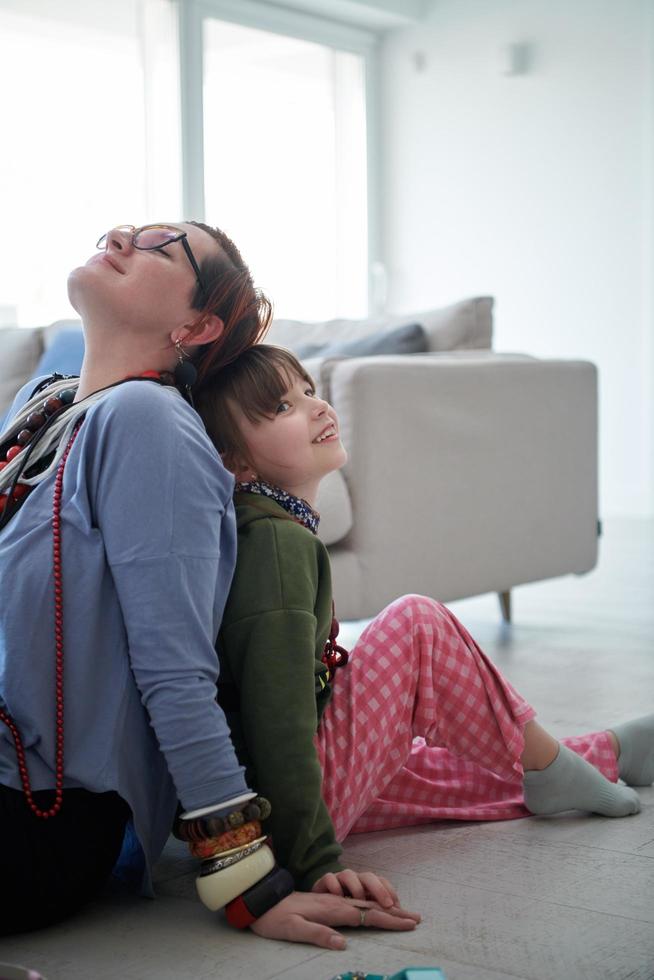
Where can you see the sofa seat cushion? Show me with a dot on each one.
(335, 509)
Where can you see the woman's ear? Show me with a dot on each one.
(209, 328)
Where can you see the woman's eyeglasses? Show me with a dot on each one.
(151, 238)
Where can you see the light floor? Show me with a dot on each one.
(557, 898)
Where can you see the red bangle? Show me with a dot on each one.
(245, 909)
(238, 914)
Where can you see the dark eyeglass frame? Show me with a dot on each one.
(176, 236)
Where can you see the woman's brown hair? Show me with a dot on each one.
(254, 384)
(231, 295)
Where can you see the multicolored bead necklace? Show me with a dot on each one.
(295, 506)
(33, 425)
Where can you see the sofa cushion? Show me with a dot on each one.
(409, 339)
(64, 349)
(20, 349)
(467, 324)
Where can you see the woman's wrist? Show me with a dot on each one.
(242, 911)
(238, 867)
(213, 822)
(219, 809)
(221, 880)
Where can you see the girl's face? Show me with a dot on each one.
(297, 446)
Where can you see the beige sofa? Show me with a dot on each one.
(469, 471)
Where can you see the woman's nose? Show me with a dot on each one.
(320, 407)
(119, 239)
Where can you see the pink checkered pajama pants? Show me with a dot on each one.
(422, 727)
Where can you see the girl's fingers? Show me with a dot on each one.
(378, 889)
(350, 880)
(391, 891)
(328, 883)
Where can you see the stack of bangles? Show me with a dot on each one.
(238, 870)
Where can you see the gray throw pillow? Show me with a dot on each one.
(410, 339)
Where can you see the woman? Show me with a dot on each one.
(117, 547)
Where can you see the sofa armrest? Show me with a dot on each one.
(20, 350)
(466, 474)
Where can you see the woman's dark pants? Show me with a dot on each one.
(50, 868)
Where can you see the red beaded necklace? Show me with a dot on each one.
(49, 410)
(59, 662)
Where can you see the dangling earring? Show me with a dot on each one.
(185, 372)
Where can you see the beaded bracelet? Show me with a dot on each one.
(203, 828)
(260, 898)
(226, 842)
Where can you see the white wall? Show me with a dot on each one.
(537, 189)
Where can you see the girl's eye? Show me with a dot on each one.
(310, 392)
(283, 407)
(161, 251)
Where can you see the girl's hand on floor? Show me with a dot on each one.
(304, 917)
(359, 884)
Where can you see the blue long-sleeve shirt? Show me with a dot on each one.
(148, 554)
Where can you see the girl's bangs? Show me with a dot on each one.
(264, 381)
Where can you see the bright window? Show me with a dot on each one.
(285, 165)
(91, 122)
(84, 146)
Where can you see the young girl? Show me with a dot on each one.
(418, 724)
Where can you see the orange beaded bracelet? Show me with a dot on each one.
(224, 842)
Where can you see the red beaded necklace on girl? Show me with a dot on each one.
(35, 425)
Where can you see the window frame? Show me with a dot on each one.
(306, 27)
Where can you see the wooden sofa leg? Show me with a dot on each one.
(505, 605)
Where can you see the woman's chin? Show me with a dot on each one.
(77, 281)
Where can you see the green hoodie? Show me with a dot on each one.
(272, 638)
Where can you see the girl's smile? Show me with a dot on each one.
(297, 445)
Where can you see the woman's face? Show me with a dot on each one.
(144, 292)
(298, 445)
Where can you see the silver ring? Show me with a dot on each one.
(362, 916)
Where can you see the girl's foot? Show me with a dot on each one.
(636, 750)
(571, 783)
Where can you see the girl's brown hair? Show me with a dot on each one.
(230, 294)
(254, 383)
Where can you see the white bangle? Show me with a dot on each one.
(218, 889)
(203, 811)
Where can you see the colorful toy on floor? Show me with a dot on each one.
(408, 973)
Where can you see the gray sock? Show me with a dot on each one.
(571, 783)
(636, 759)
